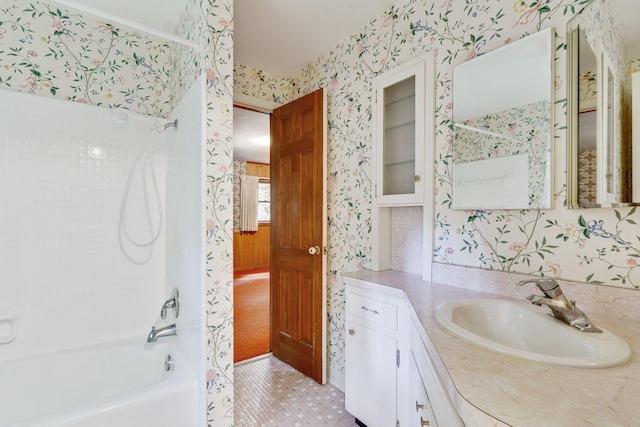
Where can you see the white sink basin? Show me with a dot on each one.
(523, 330)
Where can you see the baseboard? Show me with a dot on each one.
(336, 378)
(253, 359)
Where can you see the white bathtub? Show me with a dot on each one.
(121, 384)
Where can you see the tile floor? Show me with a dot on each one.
(268, 392)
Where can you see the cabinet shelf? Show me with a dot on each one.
(399, 126)
(402, 163)
(396, 101)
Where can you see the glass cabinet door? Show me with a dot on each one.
(399, 136)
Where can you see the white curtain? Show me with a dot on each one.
(248, 203)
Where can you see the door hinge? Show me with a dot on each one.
(398, 358)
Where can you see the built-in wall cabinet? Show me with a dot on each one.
(403, 153)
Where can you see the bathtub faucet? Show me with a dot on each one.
(173, 302)
(167, 331)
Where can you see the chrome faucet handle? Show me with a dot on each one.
(173, 302)
(549, 287)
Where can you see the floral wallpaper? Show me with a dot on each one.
(58, 52)
(521, 130)
(209, 23)
(239, 169)
(599, 246)
(260, 84)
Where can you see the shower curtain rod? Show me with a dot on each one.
(129, 23)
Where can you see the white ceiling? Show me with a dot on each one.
(250, 136)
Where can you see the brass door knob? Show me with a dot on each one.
(314, 250)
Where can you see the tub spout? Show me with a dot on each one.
(167, 331)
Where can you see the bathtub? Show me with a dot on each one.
(122, 383)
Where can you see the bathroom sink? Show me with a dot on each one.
(526, 331)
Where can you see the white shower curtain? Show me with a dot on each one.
(248, 203)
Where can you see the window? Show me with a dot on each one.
(264, 201)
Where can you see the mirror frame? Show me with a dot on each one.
(573, 61)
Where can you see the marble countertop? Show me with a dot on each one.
(513, 391)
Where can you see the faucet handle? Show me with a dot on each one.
(173, 302)
(549, 287)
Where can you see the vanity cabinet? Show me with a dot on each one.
(390, 379)
(399, 131)
(376, 343)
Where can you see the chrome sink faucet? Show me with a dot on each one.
(561, 308)
(166, 331)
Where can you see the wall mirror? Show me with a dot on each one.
(603, 42)
(503, 123)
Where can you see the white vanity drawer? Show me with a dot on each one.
(373, 310)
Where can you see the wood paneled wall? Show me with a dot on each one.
(258, 169)
(252, 250)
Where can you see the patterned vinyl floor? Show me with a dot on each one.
(269, 392)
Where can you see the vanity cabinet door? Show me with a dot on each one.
(425, 379)
(371, 375)
(399, 123)
(420, 411)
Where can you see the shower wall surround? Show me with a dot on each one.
(596, 245)
(62, 271)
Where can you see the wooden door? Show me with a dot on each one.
(298, 234)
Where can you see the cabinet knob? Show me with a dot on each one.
(416, 178)
(352, 332)
(424, 423)
(419, 406)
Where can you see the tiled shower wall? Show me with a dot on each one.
(63, 268)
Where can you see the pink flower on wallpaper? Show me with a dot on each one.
(517, 247)
(388, 18)
(32, 53)
(104, 28)
(472, 54)
(632, 262)
(555, 269)
(32, 85)
(558, 82)
(211, 75)
(449, 251)
(57, 24)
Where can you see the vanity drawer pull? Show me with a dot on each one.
(370, 310)
(419, 406)
(373, 310)
(424, 423)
